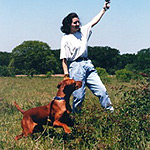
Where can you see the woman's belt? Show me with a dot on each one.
(82, 58)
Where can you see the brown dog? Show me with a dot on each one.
(56, 111)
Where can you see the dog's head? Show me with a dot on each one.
(69, 85)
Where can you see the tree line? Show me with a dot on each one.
(35, 57)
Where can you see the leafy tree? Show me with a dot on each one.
(104, 57)
(4, 58)
(142, 62)
(33, 57)
(125, 59)
(57, 56)
(6, 71)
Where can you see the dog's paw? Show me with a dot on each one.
(68, 131)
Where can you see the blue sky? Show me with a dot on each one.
(126, 26)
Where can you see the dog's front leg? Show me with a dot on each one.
(60, 124)
(68, 107)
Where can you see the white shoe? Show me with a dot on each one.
(110, 108)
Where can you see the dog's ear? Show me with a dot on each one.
(58, 86)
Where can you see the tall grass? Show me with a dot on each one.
(126, 128)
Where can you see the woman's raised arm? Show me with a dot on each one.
(98, 17)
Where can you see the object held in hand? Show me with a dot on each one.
(105, 6)
(108, 1)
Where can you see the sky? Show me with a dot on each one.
(125, 26)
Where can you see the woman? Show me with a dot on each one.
(75, 62)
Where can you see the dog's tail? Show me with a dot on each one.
(17, 106)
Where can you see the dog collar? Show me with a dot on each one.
(59, 98)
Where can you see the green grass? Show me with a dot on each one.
(126, 128)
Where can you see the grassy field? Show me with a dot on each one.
(127, 128)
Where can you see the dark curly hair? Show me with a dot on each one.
(66, 23)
